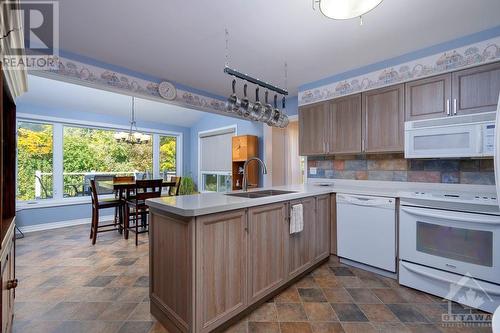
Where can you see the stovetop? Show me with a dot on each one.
(486, 203)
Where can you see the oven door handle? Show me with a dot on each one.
(485, 219)
(439, 278)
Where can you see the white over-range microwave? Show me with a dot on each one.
(460, 136)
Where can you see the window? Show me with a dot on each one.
(215, 160)
(57, 161)
(168, 156)
(34, 161)
(88, 152)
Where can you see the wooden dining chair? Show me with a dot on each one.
(136, 210)
(98, 204)
(174, 190)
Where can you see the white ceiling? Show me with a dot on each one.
(52, 94)
(183, 40)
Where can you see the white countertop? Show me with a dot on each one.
(209, 203)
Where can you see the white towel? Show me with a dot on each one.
(296, 219)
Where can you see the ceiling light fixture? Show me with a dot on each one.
(133, 136)
(346, 9)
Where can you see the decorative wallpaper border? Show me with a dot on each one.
(467, 56)
(89, 75)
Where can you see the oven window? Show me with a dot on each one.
(471, 246)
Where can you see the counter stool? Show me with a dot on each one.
(98, 204)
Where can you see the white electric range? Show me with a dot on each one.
(449, 245)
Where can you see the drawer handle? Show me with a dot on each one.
(12, 284)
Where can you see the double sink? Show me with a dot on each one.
(259, 194)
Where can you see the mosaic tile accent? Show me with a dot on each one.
(468, 56)
(394, 167)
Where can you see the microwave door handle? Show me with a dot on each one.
(439, 278)
(456, 217)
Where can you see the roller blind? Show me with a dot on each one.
(215, 150)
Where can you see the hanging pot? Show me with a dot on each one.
(257, 109)
(276, 113)
(232, 104)
(245, 106)
(268, 109)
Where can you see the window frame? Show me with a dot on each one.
(218, 174)
(200, 172)
(57, 167)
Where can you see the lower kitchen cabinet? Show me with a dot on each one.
(207, 269)
(9, 282)
(266, 248)
(299, 249)
(223, 238)
(321, 244)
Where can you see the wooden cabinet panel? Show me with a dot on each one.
(344, 134)
(266, 249)
(313, 120)
(222, 265)
(333, 224)
(244, 147)
(321, 243)
(299, 248)
(476, 89)
(428, 98)
(383, 119)
(8, 281)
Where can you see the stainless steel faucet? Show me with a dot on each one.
(245, 171)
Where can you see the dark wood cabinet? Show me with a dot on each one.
(313, 121)
(7, 203)
(344, 126)
(476, 89)
(383, 120)
(428, 98)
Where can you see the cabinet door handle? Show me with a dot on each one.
(454, 106)
(363, 145)
(448, 106)
(12, 284)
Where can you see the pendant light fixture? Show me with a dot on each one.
(133, 136)
(346, 9)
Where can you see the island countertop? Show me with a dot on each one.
(209, 203)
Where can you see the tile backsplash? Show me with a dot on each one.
(394, 167)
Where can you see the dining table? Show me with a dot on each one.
(122, 188)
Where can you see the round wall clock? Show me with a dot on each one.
(167, 90)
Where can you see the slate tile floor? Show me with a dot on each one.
(67, 285)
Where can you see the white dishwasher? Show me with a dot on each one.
(366, 230)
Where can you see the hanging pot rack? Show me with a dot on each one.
(253, 80)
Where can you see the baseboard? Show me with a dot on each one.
(61, 224)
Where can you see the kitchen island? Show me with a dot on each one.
(213, 256)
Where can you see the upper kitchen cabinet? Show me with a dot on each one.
(313, 121)
(383, 120)
(476, 89)
(428, 98)
(344, 130)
